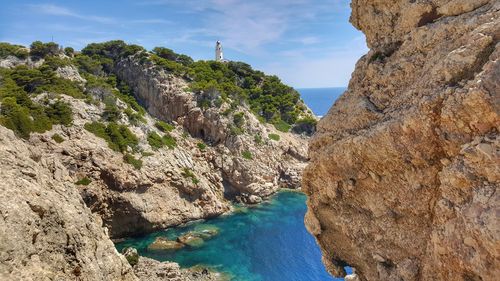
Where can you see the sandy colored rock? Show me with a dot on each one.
(191, 239)
(46, 231)
(404, 173)
(162, 243)
(152, 270)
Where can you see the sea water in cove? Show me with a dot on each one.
(320, 99)
(267, 242)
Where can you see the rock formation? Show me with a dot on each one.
(404, 169)
(46, 230)
(60, 187)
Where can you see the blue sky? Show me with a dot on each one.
(305, 43)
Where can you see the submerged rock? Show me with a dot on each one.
(207, 231)
(191, 239)
(162, 243)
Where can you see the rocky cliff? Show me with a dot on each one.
(404, 172)
(84, 161)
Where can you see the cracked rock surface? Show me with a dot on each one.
(404, 172)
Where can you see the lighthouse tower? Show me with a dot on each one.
(219, 56)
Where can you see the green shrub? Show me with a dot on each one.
(121, 137)
(282, 126)
(147, 154)
(187, 173)
(247, 155)
(235, 131)
(54, 62)
(239, 119)
(60, 112)
(57, 138)
(41, 50)
(137, 163)
(63, 87)
(132, 259)
(133, 117)
(125, 94)
(258, 139)
(168, 54)
(89, 65)
(169, 141)
(111, 113)
(168, 65)
(31, 79)
(98, 129)
(201, 145)
(83, 181)
(274, 137)
(305, 125)
(164, 127)
(16, 117)
(7, 49)
(155, 140)
(118, 137)
(69, 51)
(158, 142)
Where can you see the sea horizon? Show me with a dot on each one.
(320, 100)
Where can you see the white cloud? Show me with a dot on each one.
(247, 26)
(151, 21)
(50, 9)
(333, 68)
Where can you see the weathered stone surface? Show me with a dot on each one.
(273, 163)
(405, 167)
(162, 243)
(151, 270)
(46, 231)
(71, 73)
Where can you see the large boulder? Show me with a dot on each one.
(404, 172)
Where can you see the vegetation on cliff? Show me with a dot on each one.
(212, 82)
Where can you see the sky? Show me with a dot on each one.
(307, 43)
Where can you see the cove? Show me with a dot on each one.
(267, 242)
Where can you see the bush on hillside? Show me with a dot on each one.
(40, 50)
(305, 125)
(118, 137)
(274, 137)
(164, 127)
(60, 112)
(57, 138)
(157, 142)
(247, 155)
(130, 159)
(7, 49)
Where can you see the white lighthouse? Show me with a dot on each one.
(219, 56)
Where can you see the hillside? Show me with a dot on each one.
(143, 140)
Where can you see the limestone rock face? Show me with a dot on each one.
(46, 231)
(152, 270)
(404, 169)
(272, 165)
(132, 201)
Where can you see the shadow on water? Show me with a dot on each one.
(267, 242)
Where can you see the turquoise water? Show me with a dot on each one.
(267, 242)
(320, 99)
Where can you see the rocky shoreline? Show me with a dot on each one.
(66, 192)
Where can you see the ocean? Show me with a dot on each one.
(266, 242)
(320, 99)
